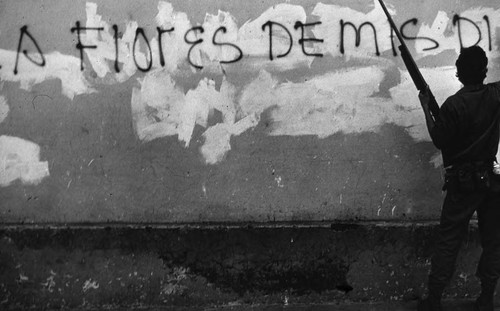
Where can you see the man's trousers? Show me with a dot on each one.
(457, 211)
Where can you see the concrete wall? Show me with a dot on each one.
(100, 122)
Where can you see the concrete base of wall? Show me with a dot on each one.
(120, 265)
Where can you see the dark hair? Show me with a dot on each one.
(472, 65)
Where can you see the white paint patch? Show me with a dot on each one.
(342, 102)
(217, 138)
(160, 108)
(174, 47)
(336, 102)
(156, 106)
(20, 159)
(210, 52)
(102, 58)
(4, 108)
(58, 66)
(332, 103)
(406, 110)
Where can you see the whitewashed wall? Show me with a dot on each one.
(206, 88)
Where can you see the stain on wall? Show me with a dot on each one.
(222, 111)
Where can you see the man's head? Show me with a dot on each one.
(472, 65)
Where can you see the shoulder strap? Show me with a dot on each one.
(488, 130)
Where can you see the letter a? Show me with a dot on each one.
(24, 30)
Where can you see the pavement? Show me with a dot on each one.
(393, 306)
(461, 305)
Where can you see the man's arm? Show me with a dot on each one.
(443, 131)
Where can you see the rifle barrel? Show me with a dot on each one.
(410, 64)
(391, 22)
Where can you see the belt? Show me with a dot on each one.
(469, 166)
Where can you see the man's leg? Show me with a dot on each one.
(489, 264)
(457, 210)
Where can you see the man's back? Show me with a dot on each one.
(464, 118)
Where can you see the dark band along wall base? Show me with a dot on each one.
(187, 266)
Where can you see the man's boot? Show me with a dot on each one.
(485, 301)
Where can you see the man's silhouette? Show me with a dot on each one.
(467, 133)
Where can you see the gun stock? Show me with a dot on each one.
(411, 66)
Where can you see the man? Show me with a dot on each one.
(467, 133)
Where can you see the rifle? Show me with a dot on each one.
(410, 64)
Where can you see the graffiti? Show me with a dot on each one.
(270, 24)
(24, 31)
(160, 45)
(194, 43)
(240, 52)
(457, 22)
(195, 36)
(115, 36)
(414, 21)
(487, 19)
(79, 44)
(357, 32)
(302, 40)
(140, 31)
